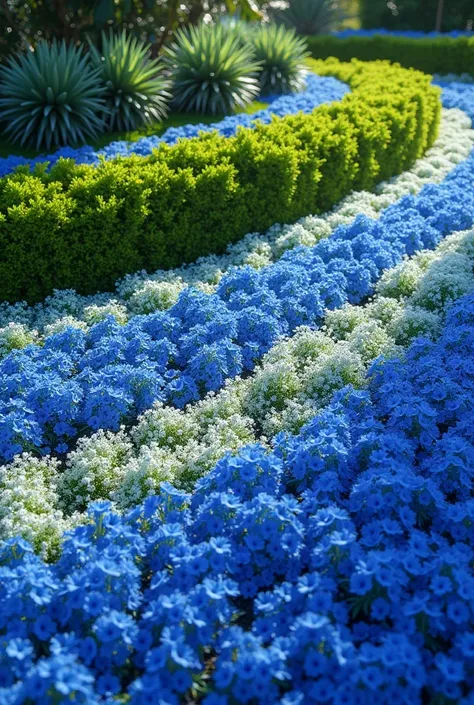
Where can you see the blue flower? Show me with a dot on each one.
(361, 583)
(44, 627)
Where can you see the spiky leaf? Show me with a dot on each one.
(50, 97)
(281, 54)
(212, 71)
(136, 89)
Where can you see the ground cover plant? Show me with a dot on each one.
(298, 376)
(249, 480)
(373, 562)
(142, 293)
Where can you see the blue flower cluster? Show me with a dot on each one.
(319, 90)
(335, 569)
(84, 381)
(458, 95)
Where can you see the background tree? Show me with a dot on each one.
(23, 22)
(416, 14)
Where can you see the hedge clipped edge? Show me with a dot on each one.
(82, 227)
(429, 54)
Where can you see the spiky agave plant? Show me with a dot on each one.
(136, 88)
(212, 70)
(50, 97)
(237, 27)
(312, 16)
(281, 54)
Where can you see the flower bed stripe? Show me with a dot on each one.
(39, 499)
(359, 588)
(85, 381)
(142, 294)
(458, 95)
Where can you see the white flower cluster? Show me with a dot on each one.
(142, 293)
(38, 498)
(29, 503)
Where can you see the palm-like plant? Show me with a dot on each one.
(135, 87)
(212, 70)
(281, 54)
(311, 16)
(50, 97)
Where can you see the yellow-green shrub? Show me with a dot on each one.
(83, 227)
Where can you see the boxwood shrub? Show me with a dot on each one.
(82, 227)
(429, 54)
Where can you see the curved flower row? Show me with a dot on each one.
(82, 381)
(142, 293)
(319, 90)
(344, 556)
(458, 94)
(39, 499)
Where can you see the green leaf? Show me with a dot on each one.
(36, 85)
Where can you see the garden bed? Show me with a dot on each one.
(82, 227)
(246, 480)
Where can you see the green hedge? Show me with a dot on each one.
(415, 14)
(83, 227)
(431, 55)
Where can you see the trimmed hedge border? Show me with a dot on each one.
(429, 54)
(318, 90)
(83, 226)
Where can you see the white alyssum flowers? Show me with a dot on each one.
(39, 498)
(143, 293)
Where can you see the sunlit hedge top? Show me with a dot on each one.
(83, 227)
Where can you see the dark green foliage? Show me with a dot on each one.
(50, 97)
(25, 22)
(311, 16)
(417, 15)
(83, 227)
(212, 70)
(135, 88)
(281, 54)
(431, 55)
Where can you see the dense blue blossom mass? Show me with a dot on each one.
(458, 95)
(319, 90)
(352, 539)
